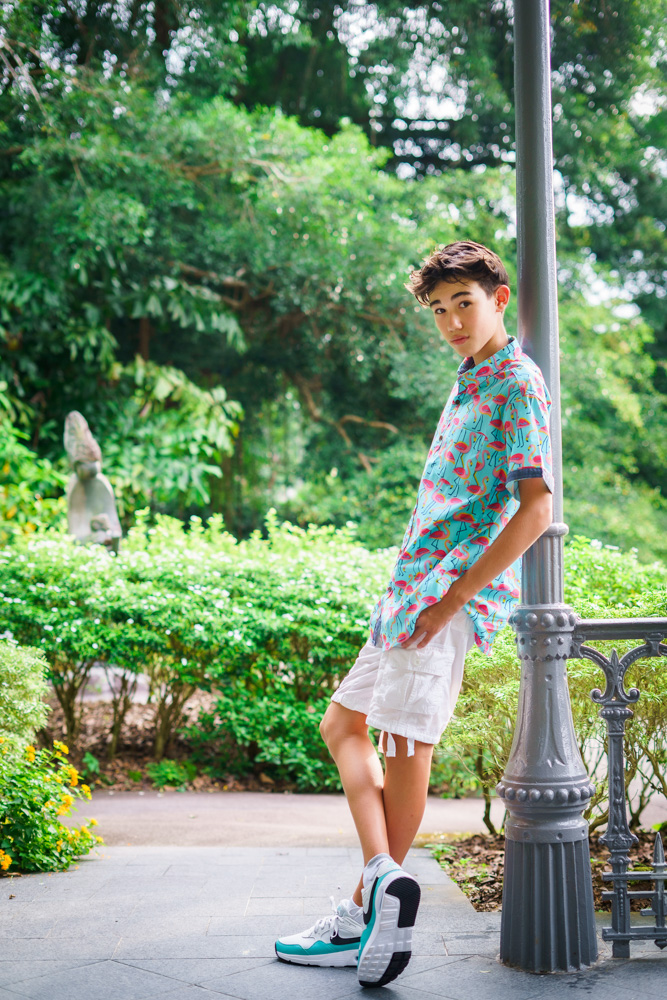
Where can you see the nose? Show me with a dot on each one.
(454, 323)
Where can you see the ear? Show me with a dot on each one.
(502, 295)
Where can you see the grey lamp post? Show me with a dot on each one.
(548, 918)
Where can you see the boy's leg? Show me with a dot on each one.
(346, 734)
(404, 794)
(387, 808)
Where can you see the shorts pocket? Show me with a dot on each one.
(413, 681)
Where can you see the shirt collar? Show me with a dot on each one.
(470, 374)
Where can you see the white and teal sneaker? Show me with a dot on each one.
(332, 941)
(391, 899)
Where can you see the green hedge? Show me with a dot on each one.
(270, 625)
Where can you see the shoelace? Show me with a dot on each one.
(329, 922)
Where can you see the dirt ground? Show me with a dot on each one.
(127, 771)
(477, 865)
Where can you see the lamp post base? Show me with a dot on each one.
(547, 900)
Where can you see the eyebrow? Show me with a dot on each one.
(456, 295)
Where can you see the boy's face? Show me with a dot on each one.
(470, 320)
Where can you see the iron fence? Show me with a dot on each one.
(619, 838)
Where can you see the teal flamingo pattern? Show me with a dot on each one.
(493, 431)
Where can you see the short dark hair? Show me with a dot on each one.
(461, 261)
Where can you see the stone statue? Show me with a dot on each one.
(91, 507)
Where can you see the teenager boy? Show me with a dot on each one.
(484, 498)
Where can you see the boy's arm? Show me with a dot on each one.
(530, 521)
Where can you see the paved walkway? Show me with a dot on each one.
(253, 819)
(258, 819)
(196, 923)
(164, 921)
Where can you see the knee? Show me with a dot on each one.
(338, 723)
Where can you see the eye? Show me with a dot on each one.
(464, 303)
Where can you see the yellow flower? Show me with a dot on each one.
(93, 822)
(85, 832)
(85, 788)
(100, 840)
(59, 845)
(2, 739)
(5, 861)
(60, 746)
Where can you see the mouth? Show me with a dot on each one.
(457, 340)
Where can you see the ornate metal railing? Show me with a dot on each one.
(618, 838)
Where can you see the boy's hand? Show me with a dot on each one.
(433, 619)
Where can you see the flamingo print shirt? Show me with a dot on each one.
(493, 432)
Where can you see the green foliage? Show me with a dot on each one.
(160, 202)
(171, 773)
(37, 787)
(168, 438)
(271, 626)
(193, 609)
(275, 733)
(23, 685)
(600, 582)
(25, 482)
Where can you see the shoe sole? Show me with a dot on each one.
(336, 960)
(389, 946)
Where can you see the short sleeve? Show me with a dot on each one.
(527, 437)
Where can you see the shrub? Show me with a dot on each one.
(36, 788)
(23, 685)
(270, 625)
(275, 733)
(600, 582)
(173, 773)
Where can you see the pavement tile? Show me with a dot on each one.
(14, 972)
(101, 981)
(561, 987)
(398, 990)
(83, 949)
(196, 946)
(145, 925)
(475, 978)
(472, 944)
(275, 906)
(185, 992)
(197, 970)
(282, 981)
(26, 927)
(271, 924)
(646, 975)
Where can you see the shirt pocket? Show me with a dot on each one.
(414, 680)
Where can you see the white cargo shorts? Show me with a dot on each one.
(409, 692)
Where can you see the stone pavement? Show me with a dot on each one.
(196, 923)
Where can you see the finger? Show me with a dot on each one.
(416, 639)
